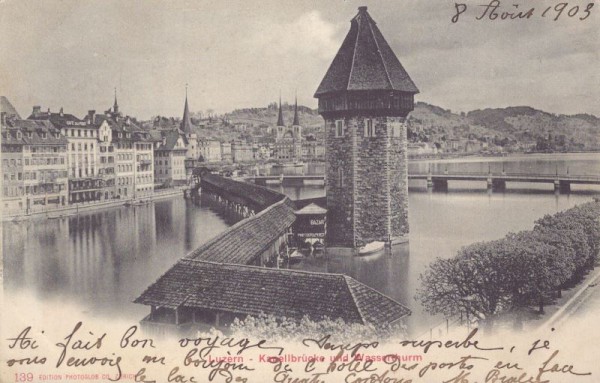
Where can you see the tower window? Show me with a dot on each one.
(369, 129)
(340, 177)
(339, 128)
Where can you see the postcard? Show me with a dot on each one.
(300, 192)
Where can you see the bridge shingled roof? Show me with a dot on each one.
(258, 195)
(251, 290)
(245, 241)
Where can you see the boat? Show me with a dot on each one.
(20, 218)
(371, 248)
(62, 214)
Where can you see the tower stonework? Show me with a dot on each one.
(365, 98)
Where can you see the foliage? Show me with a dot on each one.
(487, 279)
(288, 329)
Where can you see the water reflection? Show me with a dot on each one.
(104, 260)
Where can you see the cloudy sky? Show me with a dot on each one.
(242, 53)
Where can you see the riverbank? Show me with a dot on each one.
(74, 209)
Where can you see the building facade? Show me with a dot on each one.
(85, 184)
(210, 150)
(241, 152)
(34, 167)
(169, 159)
(365, 98)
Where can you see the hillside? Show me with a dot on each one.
(512, 126)
(308, 117)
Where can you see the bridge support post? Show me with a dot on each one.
(260, 181)
(440, 184)
(429, 182)
(563, 186)
(498, 185)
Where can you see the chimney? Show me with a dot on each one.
(91, 114)
(36, 110)
(61, 111)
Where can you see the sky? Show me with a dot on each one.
(236, 54)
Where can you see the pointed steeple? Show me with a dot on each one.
(296, 121)
(186, 123)
(280, 117)
(116, 105)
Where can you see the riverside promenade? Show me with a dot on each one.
(76, 208)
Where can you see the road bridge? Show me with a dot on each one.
(439, 181)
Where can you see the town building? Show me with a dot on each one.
(85, 184)
(313, 149)
(210, 150)
(241, 151)
(169, 159)
(144, 163)
(133, 153)
(106, 155)
(34, 166)
(226, 155)
(365, 98)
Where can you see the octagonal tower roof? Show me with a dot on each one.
(365, 61)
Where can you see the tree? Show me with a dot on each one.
(470, 285)
(535, 267)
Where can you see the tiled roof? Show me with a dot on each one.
(8, 108)
(258, 195)
(365, 61)
(32, 132)
(280, 292)
(247, 239)
(170, 141)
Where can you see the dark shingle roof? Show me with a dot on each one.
(253, 290)
(170, 140)
(247, 239)
(33, 131)
(8, 108)
(365, 61)
(258, 195)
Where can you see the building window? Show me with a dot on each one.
(340, 177)
(369, 129)
(339, 128)
(396, 128)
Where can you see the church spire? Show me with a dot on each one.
(186, 123)
(116, 105)
(280, 117)
(296, 121)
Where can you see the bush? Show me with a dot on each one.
(287, 329)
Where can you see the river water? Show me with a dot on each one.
(103, 260)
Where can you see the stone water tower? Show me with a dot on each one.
(365, 98)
